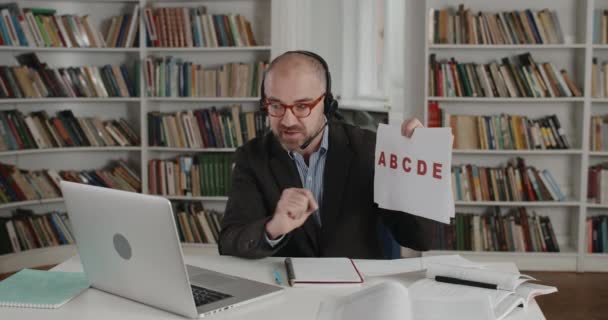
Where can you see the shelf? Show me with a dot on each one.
(199, 245)
(63, 50)
(36, 257)
(504, 46)
(597, 255)
(542, 261)
(219, 199)
(12, 205)
(598, 153)
(519, 152)
(203, 99)
(169, 149)
(505, 100)
(599, 100)
(597, 205)
(600, 46)
(595, 262)
(518, 203)
(57, 254)
(68, 149)
(51, 100)
(364, 105)
(204, 49)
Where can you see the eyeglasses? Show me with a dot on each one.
(300, 109)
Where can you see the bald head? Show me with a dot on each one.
(295, 63)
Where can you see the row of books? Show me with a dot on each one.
(43, 27)
(204, 174)
(194, 27)
(514, 182)
(597, 183)
(599, 78)
(597, 234)
(38, 131)
(173, 77)
(516, 230)
(123, 31)
(506, 132)
(599, 133)
(26, 230)
(34, 79)
(463, 26)
(196, 224)
(205, 128)
(450, 78)
(18, 184)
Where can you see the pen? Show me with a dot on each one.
(277, 277)
(466, 282)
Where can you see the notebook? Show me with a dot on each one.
(313, 271)
(41, 289)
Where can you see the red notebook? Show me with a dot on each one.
(319, 271)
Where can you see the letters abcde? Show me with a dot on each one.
(420, 167)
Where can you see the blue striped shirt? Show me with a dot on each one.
(311, 176)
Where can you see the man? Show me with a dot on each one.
(306, 188)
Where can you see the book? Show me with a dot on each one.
(462, 297)
(322, 271)
(522, 77)
(41, 289)
(463, 26)
(171, 76)
(513, 182)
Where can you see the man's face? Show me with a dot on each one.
(299, 85)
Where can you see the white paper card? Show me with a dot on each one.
(386, 301)
(413, 175)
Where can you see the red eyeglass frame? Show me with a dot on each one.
(310, 106)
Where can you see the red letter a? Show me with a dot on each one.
(382, 161)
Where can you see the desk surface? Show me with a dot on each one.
(298, 303)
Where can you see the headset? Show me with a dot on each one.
(330, 104)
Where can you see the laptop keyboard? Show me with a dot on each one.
(204, 296)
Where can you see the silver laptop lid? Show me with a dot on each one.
(127, 247)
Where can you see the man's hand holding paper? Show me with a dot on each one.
(413, 174)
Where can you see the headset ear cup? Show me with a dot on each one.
(331, 106)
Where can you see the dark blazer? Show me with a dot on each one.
(349, 216)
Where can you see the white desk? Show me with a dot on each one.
(293, 303)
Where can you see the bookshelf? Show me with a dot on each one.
(133, 109)
(568, 166)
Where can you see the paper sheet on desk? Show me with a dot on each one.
(375, 268)
(386, 301)
(413, 175)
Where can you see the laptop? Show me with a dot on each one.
(129, 246)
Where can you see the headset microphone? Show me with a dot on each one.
(309, 140)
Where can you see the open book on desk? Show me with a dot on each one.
(495, 293)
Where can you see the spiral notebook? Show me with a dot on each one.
(41, 289)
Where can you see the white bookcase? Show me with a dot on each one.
(258, 12)
(569, 167)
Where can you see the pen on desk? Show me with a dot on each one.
(277, 277)
(466, 282)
